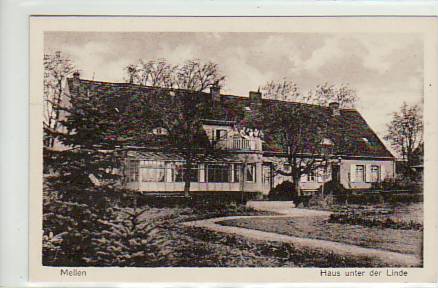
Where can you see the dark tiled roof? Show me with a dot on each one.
(349, 132)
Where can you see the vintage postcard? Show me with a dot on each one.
(258, 149)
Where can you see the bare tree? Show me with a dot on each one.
(284, 90)
(192, 75)
(56, 70)
(177, 107)
(298, 132)
(405, 131)
(154, 73)
(297, 129)
(196, 76)
(326, 93)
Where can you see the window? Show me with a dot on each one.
(218, 173)
(194, 174)
(251, 172)
(327, 141)
(311, 177)
(360, 173)
(267, 174)
(178, 172)
(133, 170)
(375, 173)
(159, 131)
(236, 174)
(153, 171)
(220, 134)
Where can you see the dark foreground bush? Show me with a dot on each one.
(406, 198)
(360, 198)
(195, 199)
(400, 184)
(95, 230)
(104, 226)
(284, 191)
(321, 201)
(333, 188)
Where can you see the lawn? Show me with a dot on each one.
(318, 227)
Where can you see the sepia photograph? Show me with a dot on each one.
(232, 149)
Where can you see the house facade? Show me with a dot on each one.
(248, 164)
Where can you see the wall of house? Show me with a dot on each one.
(347, 167)
(243, 186)
(169, 186)
(305, 183)
(387, 172)
(386, 166)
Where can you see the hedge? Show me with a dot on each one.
(379, 197)
(363, 219)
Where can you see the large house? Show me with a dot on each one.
(248, 163)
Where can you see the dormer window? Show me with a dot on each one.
(327, 141)
(159, 131)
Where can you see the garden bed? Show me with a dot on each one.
(405, 217)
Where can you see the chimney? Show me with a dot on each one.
(255, 99)
(334, 107)
(215, 92)
(76, 82)
(255, 96)
(76, 75)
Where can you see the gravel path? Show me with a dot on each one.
(391, 259)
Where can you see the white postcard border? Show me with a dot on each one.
(425, 25)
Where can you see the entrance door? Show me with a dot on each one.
(267, 177)
(336, 174)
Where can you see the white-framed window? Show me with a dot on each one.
(360, 173)
(218, 173)
(132, 170)
(251, 170)
(153, 171)
(267, 174)
(327, 141)
(375, 173)
(178, 172)
(220, 134)
(159, 131)
(311, 176)
(236, 172)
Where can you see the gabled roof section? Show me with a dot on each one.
(347, 131)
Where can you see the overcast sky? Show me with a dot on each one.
(385, 69)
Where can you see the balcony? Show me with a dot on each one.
(240, 144)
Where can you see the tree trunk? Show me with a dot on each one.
(297, 185)
(57, 112)
(322, 188)
(187, 174)
(187, 187)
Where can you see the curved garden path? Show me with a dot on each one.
(387, 258)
